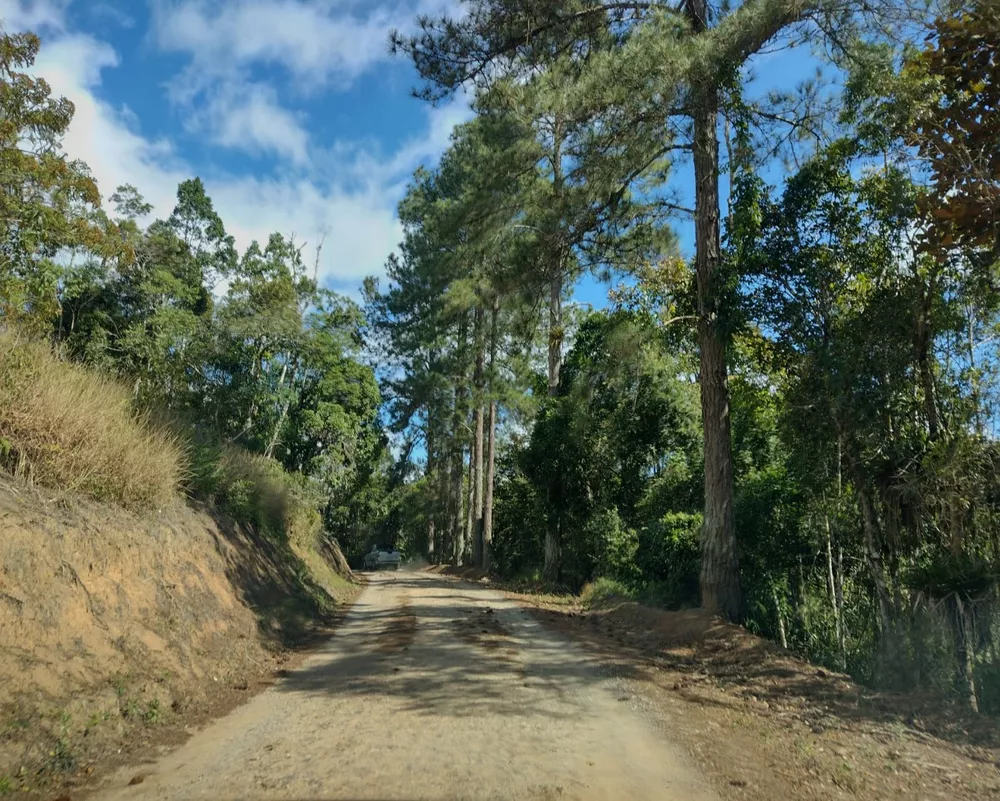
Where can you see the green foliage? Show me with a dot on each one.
(253, 490)
(603, 591)
(275, 420)
(938, 576)
(855, 309)
(622, 437)
(668, 557)
(48, 204)
(519, 521)
(61, 756)
(153, 713)
(613, 546)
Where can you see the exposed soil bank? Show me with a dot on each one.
(120, 632)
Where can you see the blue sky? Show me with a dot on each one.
(291, 111)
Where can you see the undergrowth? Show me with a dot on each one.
(251, 489)
(605, 590)
(68, 428)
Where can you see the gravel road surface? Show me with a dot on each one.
(435, 690)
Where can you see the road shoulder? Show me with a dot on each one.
(761, 724)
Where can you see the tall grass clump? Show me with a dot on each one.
(68, 428)
(251, 489)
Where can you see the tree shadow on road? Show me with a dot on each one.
(465, 657)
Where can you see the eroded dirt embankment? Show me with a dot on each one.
(119, 631)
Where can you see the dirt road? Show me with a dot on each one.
(431, 689)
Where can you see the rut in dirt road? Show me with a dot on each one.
(432, 690)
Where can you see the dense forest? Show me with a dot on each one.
(786, 411)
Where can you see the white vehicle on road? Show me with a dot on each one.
(379, 558)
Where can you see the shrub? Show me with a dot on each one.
(613, 545)
(68, 428)
(604, 590)
(253, 490)
(668, 556)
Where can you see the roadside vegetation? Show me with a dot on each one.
(68, 428)
(146, 364)
(786, 412)
(129, 376)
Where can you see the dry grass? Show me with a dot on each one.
(65, 427)
(250, 488)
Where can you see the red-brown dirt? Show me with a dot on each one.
(766, 725)
(119, 633)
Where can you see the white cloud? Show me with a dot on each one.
(32, 15)
(105, 12)
(367, 161)
(311, 42)
(318, 42)
(360, 228)
(248, 117)
(349, 191)
(305, 45)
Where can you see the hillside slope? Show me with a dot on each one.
(117, 628)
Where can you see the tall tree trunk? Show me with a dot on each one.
(477, 489)
(477, 446)
(447, 535)
(470, 510)
(781, 618)
(924, 366)
(488, 492)
(888, 641)
(458, 448)
(839, 574)
(458, 528)
(252, 411)
(720, 576)
(555, 331)
(490, 449)
(976, 404)
(842, 644)
(553, 533)
(458, 521)
(550, 570)
(963, 626)
(276, 434)
(834, 601)
(432, 505)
